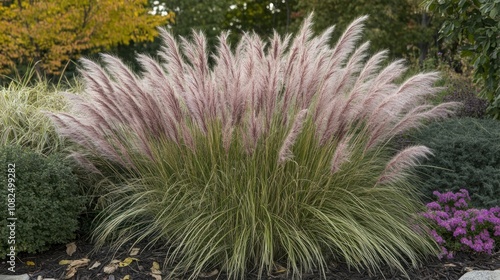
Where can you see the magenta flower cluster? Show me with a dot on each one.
(457, 227)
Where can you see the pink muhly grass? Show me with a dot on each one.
(249, 91)
(341, 155)
(396, 167)
(230, 128)
(419, 114)
(285, 152)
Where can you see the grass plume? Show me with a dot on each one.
(275, 154)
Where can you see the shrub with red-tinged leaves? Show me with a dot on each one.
(457, 227)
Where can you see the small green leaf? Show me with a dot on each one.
(467, 53)
(493, 13)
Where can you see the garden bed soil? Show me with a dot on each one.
(46, 265)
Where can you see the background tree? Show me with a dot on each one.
(259, 16)
(55, 31)
(237, 16)
(475, 26)
(207, 16)
(401, 26)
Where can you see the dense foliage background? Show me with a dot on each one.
(41, 46)
(460, 34)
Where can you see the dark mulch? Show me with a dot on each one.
(47, 265)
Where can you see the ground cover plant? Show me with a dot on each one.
(458, 227)
(273, 154)
(466, 155)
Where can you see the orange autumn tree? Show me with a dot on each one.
(52, 32)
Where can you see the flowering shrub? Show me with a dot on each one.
(458, 227)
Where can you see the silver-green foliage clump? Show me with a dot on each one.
(22, 118)
(274, 154)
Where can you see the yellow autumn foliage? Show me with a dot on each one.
(55, 31)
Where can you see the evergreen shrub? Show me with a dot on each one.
(466, 155)
(47, 204)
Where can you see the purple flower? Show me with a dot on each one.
(489, 245)
(433, 206)
(461, 203)
(437, 237)
(464, 194)
(459, 231)
(497, 231)
(495, 210)
(494, 220)
(450, 255)
(443, 253)
(466, 241)
(457, 226)
(442, 215)
(473, 227)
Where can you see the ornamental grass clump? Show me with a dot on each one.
(22, 121)
(275, 153)
(456, 227)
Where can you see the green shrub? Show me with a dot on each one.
(274, 154)
(466, 155)
(47, 204)
(473, 25)
(461, 89)
(457, 87)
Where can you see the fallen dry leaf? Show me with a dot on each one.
(155, 276)
(70, 248)
(209, 274)
(127, 277)
(280, 269)
(79, 263)
(95, 265)
(134, 252)
(126, 262)
(74, 266)
(155, 269)
(469, 269)
(110, 268)
(30, 263)
(70, 273)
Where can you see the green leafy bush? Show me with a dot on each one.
(47, 204)
(275, 153)
(466, 155)
(474, 26)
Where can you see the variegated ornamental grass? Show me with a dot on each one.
(275, 153)
(22, 121)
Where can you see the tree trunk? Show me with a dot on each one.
(423, 45)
